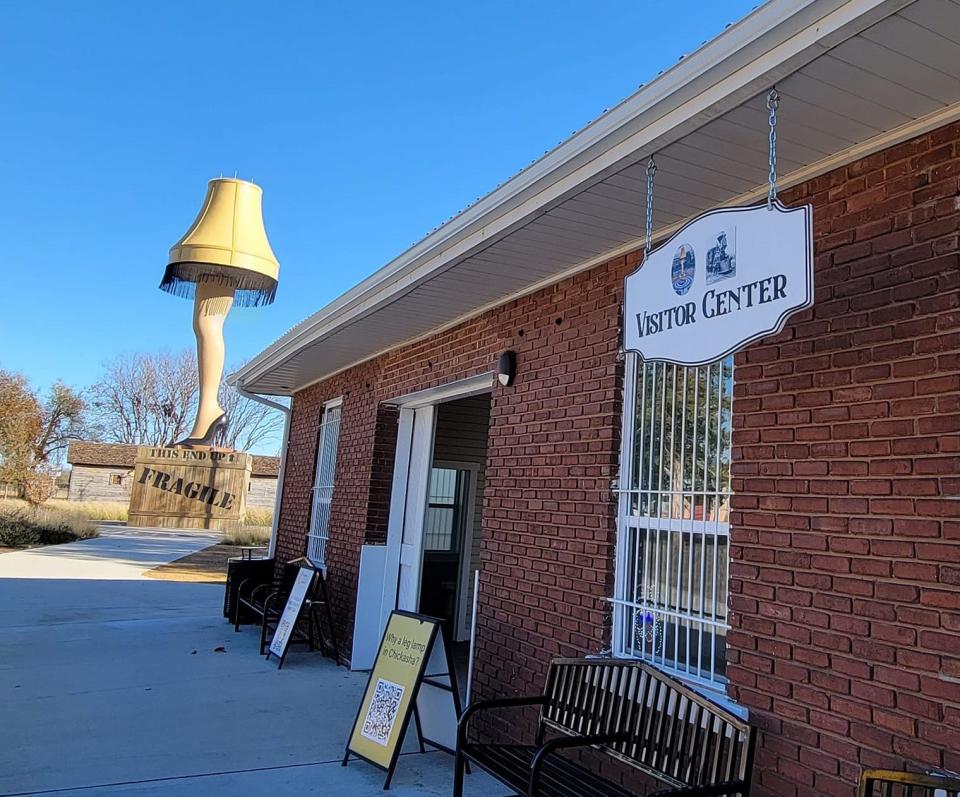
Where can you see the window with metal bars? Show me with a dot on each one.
(327, 440)
(445, 497)
(670, 606)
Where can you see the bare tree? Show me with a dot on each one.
(151, 400)
(62, 419)
(250, 423)
(146, 399)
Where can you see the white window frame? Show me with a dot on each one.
(462, 614)
(321, 494)
(628, 524)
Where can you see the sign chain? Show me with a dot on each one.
(773, 103)
(651, 171)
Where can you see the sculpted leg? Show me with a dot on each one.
(211, 305)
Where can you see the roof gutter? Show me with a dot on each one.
(275, 522)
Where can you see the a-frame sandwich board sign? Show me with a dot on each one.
(302, 588)
(413, 675)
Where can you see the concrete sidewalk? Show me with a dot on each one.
(118, 553)
(113, 685)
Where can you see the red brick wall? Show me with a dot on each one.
(549, 514)
(357, 468)
(845, 573)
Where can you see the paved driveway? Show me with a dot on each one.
(111, 683)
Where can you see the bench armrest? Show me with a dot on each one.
(567, 742)
(485, 705)
(733, 788)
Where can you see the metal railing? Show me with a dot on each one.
(322, 493)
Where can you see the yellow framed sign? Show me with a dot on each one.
(411, 645)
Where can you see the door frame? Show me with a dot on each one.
(411, 461)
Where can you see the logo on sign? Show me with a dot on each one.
(722, 258)
(684, 269)
(756, 271)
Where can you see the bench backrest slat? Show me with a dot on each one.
(887, 783)
(676, 735)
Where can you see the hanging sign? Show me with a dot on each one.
(729, 277)
(412, 675)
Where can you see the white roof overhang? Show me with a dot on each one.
(856, 76)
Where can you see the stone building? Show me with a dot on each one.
(808, 578)
(103, 472)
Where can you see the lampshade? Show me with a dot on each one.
(227, 243)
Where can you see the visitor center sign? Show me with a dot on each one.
(729, 277)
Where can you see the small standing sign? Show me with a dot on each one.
(412, 675)
(291, 612)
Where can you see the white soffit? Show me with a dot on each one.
(855, 76)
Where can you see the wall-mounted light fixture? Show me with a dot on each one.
(507, 368)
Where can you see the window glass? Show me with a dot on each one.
(444, 509)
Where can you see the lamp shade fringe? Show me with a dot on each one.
(251, 289)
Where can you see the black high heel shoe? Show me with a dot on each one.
(217, 431)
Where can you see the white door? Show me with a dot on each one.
(418, 477)
(403, 559)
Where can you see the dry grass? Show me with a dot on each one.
(206, 566)
(259, 517)
(22, 525)
(92, 510)
(248, 535)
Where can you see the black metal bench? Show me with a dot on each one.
(887, 783)
(627, 710)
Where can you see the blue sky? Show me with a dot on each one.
(366, 124)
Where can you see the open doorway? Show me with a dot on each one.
(453, 513)
(436, 509)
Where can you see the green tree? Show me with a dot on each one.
(20, 422)
(35, 431)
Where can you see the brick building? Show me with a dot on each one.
(811, 576)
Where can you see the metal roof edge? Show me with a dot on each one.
(708, 68)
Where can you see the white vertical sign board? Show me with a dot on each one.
(729, 277)
(291, 611)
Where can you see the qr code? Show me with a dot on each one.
(382, 712)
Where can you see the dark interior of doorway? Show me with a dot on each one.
(451, 549)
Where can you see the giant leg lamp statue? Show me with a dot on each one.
(223, 260)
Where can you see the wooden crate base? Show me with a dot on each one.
(189, 488)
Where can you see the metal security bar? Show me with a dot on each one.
(670, 606)
(323, 485)
(445, 497)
